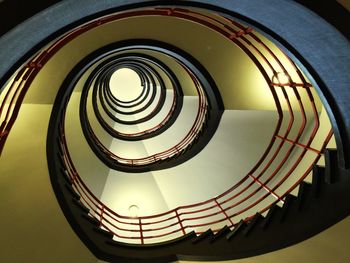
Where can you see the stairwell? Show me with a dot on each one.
(316, 204)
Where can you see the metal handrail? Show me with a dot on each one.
(179, 147)
(184, 219)
(185, 223)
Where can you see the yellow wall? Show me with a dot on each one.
(34, 228)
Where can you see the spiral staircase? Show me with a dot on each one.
(294, 185)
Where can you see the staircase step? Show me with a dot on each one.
(60, 159)
(80, 205)
(58, 141)
(72, 191)
(318, 179)
(91, 219)
(103, 232)
(274, 212)
(64, 174)
(253, 223)
(205, 235)
(304, 192)
(239, 228)
(220, 234)
(288, 203)
(331, 165)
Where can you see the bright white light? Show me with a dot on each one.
(125, 84)
(134, 210)
(280, 78)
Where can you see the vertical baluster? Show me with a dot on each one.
(101, 215)
(141, 233)
(224, 212)
(181, 225)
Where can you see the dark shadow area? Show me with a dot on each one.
(13, 12)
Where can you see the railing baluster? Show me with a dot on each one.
(180, 222)
(141, 233)
(266, 188)
(91, 199)
(297, 144)
(224, 212)
(101, 215)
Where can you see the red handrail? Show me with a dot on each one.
(181, 146)
(262, 185)
(239, 201)
(161, 124)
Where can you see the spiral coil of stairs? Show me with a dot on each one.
(292, 215)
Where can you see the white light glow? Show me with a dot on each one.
(280, 78)
(134, 210)
(125, 84)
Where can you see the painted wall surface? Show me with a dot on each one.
(34, 227)
(237, 145)
(26, 188)
(226, 159)
(92, 170)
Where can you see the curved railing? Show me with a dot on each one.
(147, 80)
(179, 147)
(15, 92)
(143, 76)
(275, 174)
(98, 87)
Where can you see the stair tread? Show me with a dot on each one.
(304, 191)
(80, 205)
(221, 233)
(103, 232)
(65, 175)
(203, 236)
(72, 191)
(91, 219)
(318, 179)
(253, 223)
(238, 229)
(331, 165)
(274, 212)
(288, 203)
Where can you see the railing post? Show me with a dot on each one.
(74, 177)
(223, 211)
(3, 134)
(101, 215)
(181, 225)
(266, 188)
(141, 233)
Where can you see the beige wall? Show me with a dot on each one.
(91, 169)
(34, 228)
